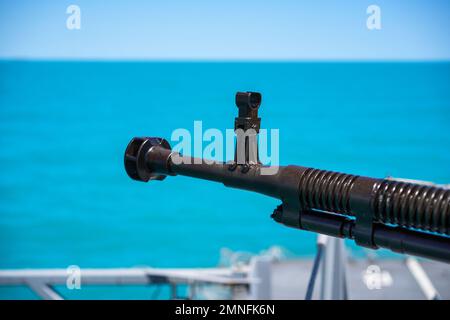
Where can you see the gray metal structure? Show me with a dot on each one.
(338, 277)
(255, 279)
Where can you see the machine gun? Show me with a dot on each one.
(404, 217)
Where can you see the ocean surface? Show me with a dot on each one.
(65, 198)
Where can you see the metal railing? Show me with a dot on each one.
(255, 279)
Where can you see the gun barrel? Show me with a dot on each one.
(404, 217)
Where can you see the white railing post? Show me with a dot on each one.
(260, 272)
(422, 279)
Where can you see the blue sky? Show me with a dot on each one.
(226, 30)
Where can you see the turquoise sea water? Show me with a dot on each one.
(65, 198)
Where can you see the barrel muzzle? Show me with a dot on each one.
(137, 155)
